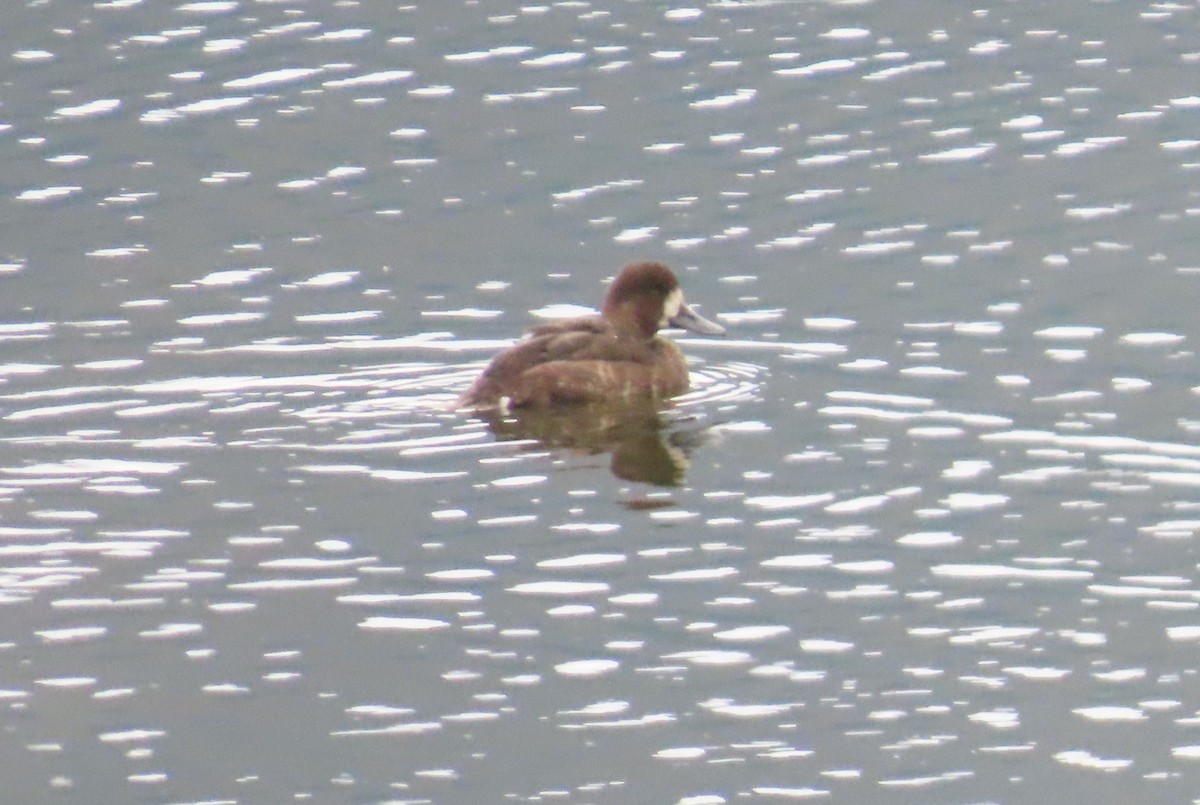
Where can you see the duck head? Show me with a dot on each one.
(646, 297)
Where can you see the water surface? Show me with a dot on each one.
(923, 531)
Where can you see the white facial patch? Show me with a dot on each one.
(671, 306)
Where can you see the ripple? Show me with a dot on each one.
(284, 75)
(103, 106)
(587, 668)
(559, 588)
(401, 624)
(724, 383)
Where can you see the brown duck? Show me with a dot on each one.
(615, 356)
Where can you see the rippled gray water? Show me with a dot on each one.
(925, 530)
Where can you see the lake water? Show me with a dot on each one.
(924, 531)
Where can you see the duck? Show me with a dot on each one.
(616, 356)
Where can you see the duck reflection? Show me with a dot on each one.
(640, 436)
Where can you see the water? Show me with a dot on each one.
(924, 530)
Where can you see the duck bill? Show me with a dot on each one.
(689, 319)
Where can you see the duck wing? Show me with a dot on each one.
(569, 342)
(586, 339)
